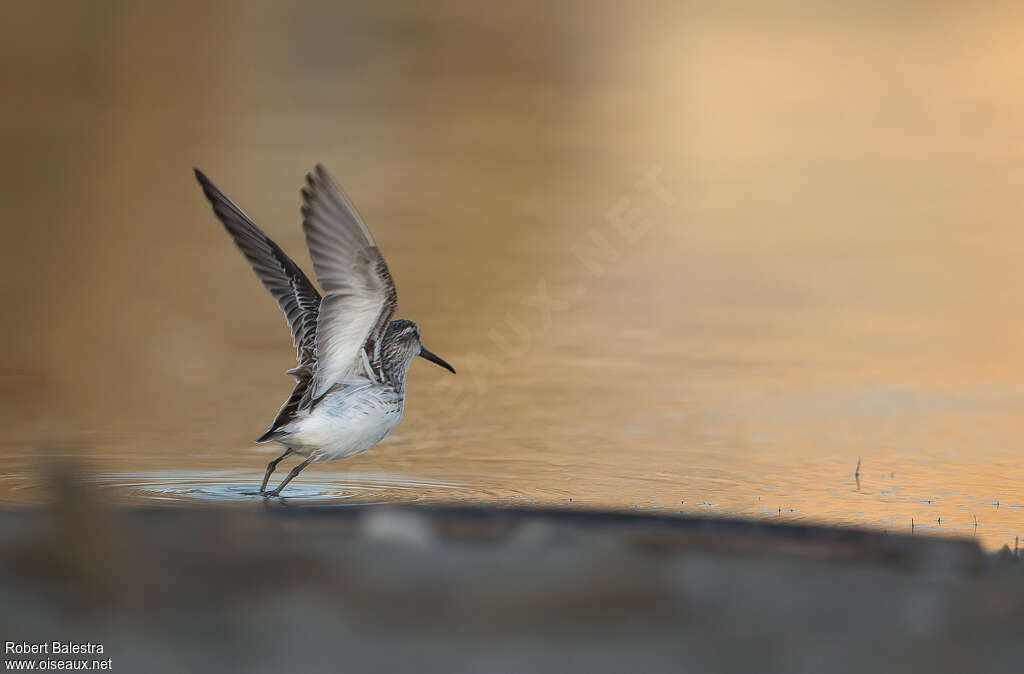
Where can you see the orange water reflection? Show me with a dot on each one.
(807, 248)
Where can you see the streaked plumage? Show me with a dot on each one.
(353, 359)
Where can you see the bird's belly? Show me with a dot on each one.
(342, 426)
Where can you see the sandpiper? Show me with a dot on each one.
(353, 359)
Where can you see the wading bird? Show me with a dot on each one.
(353, 359)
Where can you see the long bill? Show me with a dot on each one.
(435, 359)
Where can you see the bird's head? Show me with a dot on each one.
(402, 340)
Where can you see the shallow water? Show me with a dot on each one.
(684, 262)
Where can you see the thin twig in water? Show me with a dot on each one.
(911, 525)
(856, 472)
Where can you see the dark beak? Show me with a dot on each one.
(436, 360)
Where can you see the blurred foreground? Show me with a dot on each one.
(429, 589)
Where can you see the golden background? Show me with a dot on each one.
(828, 270)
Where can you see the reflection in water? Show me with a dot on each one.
(683, 261)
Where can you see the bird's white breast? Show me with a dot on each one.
(345, 422)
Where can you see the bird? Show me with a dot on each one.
(353, 359)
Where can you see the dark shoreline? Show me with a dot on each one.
(457, 588)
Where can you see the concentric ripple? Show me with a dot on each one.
(225, 485)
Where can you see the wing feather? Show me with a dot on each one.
(295, 294)
(360, 295)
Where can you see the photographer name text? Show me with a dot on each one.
(52, 648)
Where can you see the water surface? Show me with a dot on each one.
(684, 261)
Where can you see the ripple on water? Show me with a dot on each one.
(326, 488)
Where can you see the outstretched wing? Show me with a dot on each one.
(360, 294)
(294, 293)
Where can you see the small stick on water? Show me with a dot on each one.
(1016, 542)
(911, 525)
(856, 472)
(975, 523)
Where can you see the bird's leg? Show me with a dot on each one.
(270, 469)
(291, 476)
